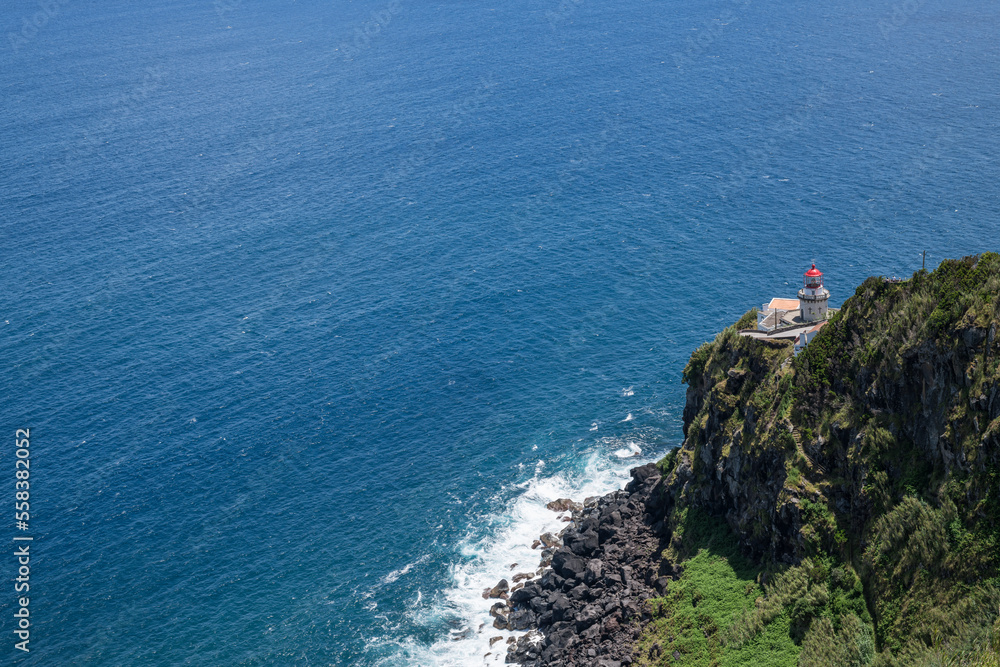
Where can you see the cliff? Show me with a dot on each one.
(841, 507)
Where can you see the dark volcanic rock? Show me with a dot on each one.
(586, 618)
(583, 544)
(562, 608)
(523, 595)
(551, 581)
(550, 540)
(590, 605)
(521, 620)
(498, 590)
(567, 564)
(563, 504)
(593, 571)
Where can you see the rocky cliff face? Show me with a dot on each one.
(862, 476)
(732, 462)
(901, 391)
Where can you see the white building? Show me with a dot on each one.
(811, 306)
(804, 337)
(776, 313)
(795, 319)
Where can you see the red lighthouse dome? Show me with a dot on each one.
(813, 278)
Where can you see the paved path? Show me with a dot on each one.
(790, 332)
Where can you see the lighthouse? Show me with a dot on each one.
(813, 296)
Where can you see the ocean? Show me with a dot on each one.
(311, 306)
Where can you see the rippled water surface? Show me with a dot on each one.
(312, 306)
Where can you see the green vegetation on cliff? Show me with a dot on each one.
(842, 507)
(717, 589)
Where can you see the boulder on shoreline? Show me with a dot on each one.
(586, 607)
(564, 505)
(500, 589)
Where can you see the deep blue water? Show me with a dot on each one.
(310, 309)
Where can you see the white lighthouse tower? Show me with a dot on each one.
(813, 296)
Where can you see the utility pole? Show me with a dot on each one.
(923, 262)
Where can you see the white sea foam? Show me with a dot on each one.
(630, 450)
(396, 574)
(490, 557)
(628, 417)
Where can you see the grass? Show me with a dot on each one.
(696, 615)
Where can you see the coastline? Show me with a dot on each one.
(583, 605)
(504, 550)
